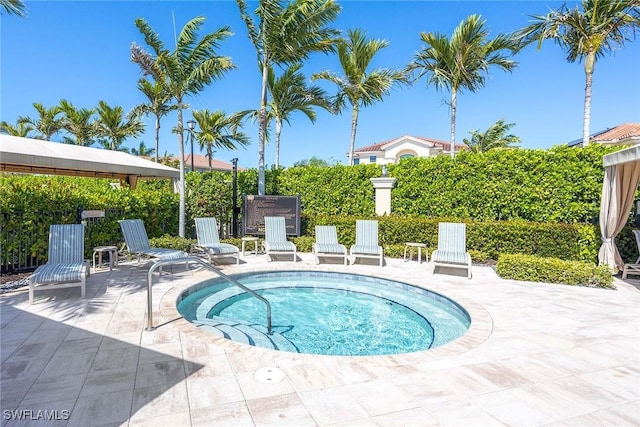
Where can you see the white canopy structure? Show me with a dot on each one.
(36, 156)
(621, 179)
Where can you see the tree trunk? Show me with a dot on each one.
(454, 102)
(589, 63)
(157, 137)
(278, 131)
(262, 128)
(181, 213)
(354, 127)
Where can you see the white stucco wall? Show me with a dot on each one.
(393, 153)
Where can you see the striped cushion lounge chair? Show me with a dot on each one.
(66, 266)
(633, 269)
(209, 240)
(367, 241)
(137, 242)
(452, 247)
(275, 238)
(327, 245)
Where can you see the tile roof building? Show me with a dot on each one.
(624, 134)
(391, 151)
(201, 164)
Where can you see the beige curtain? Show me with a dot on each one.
(618, 190)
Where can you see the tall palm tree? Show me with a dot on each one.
(158, 104)
(494, 137)
(78, 122)
(290, 93)
(589, 34)
(112, 125)
(19, 129)
(462, 61)
(218, 130)
(13, 7)
(186, 71)
(47, 123)
(143, 150)
(287, 33)
(358, 86)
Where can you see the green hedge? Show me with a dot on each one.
(553, 270)
(561, 184)
(539, 202)
(486, 240)
(29, 204)
(172, 242)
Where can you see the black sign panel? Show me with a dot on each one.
(257, 207)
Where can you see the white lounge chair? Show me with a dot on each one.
(137, 241)
(327, 245)
(452, 247)
(209, 240)
(633, 269)
(367, 241)
(275, 238)
(66, 266)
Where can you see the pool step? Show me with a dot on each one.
(246, 333)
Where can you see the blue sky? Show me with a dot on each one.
(79, 51)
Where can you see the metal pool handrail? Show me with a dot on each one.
(208, 266)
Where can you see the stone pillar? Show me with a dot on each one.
(383, 188)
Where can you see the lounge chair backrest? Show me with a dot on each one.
(135, 235)
(366, 232)
(452, 237)
(326, 234)
(637, 234)
(207, 231)
(66, 243)
(275, 229)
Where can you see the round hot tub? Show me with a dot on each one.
(325, 313)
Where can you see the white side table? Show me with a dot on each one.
(253, 239)
(113, 256)
(410, 246)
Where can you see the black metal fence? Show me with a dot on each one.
(24, 236)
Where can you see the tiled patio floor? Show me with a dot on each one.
(536, 354)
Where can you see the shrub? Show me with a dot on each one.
(303, 243)
(397, 251)
(562, 184)
(553, 270)
(486, 240)
(538, 202)
(172, 242)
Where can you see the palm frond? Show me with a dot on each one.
(151, 38)
(13, 7)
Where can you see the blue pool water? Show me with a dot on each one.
(326, 313)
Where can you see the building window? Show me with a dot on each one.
(372, 159)
(356, 162)
(406, 156)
